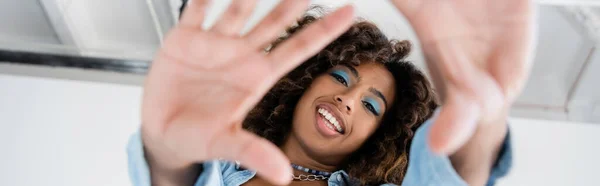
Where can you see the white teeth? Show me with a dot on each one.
(332, 122)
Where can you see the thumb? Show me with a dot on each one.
(455, 124)
(255, 153)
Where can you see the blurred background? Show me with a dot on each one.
(71, 73)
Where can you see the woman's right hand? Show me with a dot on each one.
(203, 82)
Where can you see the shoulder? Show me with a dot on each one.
(224, 167)
(218, 169)
(221, 172)
(427, 168)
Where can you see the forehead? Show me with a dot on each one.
(376, 75)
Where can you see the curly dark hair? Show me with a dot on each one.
(383, 158)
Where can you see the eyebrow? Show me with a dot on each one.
(378, 94)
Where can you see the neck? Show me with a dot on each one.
(293, 149)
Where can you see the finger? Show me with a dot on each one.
(408, 7)
(455, 123)
(252, 75)
(194, 13)
(200, 142)
(291, 53)
(463, 110)
(309, 41)
(255, 153)
(234, 18)
(470, 93)
(276, 22)
(454, 74)
(513, 59)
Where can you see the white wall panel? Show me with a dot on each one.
(585, 103)
(561, 51)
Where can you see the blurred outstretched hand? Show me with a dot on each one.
(479, 54)
(203, 82)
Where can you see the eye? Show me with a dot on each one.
(371, 108)
(340, 76)
(371, 105)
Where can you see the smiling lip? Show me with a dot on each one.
(321, 126)
(322, 123)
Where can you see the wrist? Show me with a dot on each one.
(165, 168)
(475, 160)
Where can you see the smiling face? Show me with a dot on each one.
(371, 148)
(342, 108)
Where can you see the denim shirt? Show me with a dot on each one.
(424, 167)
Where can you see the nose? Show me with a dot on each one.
(344, 103)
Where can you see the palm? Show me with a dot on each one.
(479, 57)
(203, 82)
(182, 77)
(201, 87)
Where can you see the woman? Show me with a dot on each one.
(345, 116)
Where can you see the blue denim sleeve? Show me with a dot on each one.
(428, 168)
(139, 173)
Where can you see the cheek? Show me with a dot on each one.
(304, 111)
(364, 127)
(318, 88)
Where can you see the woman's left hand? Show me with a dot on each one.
(479, 53)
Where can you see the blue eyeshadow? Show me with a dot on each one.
(375, 104)
(343, 74)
